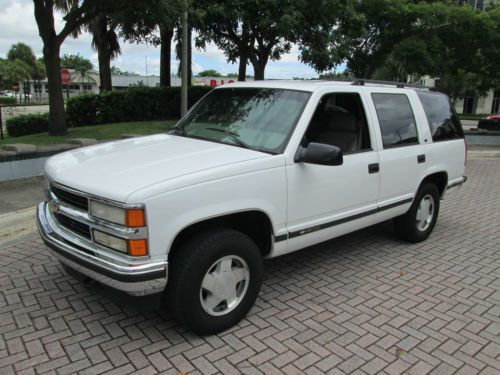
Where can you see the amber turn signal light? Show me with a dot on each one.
(137, 248)
(135, 218)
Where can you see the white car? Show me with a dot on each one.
(254, 170)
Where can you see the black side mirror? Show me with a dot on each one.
(319, 153)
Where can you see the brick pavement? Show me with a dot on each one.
(365, 303)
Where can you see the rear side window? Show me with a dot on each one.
(442, 119)
(396, 119)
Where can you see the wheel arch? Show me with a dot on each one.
(440, 179)
(254, 223)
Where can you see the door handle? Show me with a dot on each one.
(421, 158)
(373, 168)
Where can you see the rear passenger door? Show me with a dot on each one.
(402, 160)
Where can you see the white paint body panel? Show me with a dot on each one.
(183, 181)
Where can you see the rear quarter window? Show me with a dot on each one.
(442, 119)
(396, 120)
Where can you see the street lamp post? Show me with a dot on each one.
(184, 69)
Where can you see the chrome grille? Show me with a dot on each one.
(72, 199)
(73, 225)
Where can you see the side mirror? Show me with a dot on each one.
(319, 153)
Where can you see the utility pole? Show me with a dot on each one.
(184, 67)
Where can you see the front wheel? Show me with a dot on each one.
(215, 280)
(417, 224)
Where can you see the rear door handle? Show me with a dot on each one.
(421, 158)
(373, 168)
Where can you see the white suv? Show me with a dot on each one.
(253, 171)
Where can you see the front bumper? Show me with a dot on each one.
(136, 279)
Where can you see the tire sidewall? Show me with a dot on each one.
(215, 247)
(426, 189)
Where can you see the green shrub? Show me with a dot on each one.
(7, 100)
(28, 124)
(132, 104)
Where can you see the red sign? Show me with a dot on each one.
(65, 76)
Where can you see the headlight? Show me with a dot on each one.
(133, 218)
(106, 212)
(110, 241)
(132, 247)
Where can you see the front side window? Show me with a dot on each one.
(443, 121)
(396, 120)
(261, 119)
(340, 120)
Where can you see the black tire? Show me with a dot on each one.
(191, 263)
(406, 226)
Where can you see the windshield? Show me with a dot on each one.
(261, 119)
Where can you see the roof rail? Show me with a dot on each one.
(361, 82)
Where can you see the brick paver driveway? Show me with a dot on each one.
(365, 303)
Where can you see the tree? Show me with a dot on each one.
(22, 52)
(152, 22)
(76, 62)
(209, 73)
(14, 72)
(105, 42)
(77, 13)
(116, 71)
(21, 65)
(262, 30)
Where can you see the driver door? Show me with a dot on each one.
(328, 201)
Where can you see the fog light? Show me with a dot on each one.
(110, 241)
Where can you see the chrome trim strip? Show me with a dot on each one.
(346, 219)
(94, 197)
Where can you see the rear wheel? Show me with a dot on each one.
(214, 281)
(417, 224)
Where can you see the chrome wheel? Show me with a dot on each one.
(425, 212)
(224, 285)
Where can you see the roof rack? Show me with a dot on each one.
(361, 82)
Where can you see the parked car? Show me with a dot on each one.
(253, 171)
(492, 122)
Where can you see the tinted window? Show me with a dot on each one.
(257, 118)
(340, 120)
(396, 120)
(442, 119)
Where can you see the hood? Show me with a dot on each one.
(116, 169)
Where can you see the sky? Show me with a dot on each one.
(17, 24)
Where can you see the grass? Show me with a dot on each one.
(99, 132)
(472, 117)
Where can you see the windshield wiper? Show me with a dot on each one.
(233, 136)
(178, 131)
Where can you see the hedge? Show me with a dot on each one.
(7, 100)
(132, 104)
(28, 124)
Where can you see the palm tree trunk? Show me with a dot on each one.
(57, 119)
(166, 34)
(44, 17)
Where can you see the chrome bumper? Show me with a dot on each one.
(135, 279)
(456, 183)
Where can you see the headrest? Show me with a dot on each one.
(344, 122)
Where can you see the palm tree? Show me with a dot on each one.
(105, 42)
